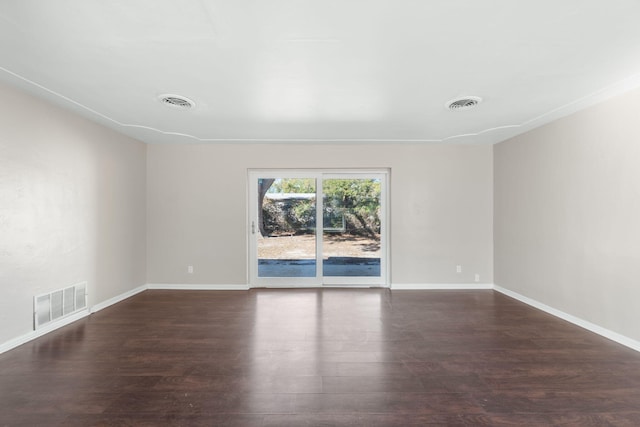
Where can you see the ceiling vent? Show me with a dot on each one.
(464, 103)
(177, 101)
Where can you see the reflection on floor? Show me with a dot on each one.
(320, 357)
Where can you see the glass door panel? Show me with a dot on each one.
(351, 215)
(313, 228)
(286, 229)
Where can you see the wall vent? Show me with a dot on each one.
(56, 305)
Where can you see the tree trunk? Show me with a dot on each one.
(364, 224)
(263, 187)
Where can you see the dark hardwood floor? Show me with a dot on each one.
(320, 357)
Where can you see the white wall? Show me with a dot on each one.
(72, 208)
(440, 197)
(567, 214)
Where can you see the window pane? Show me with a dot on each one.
(351, 221)
(286, 227)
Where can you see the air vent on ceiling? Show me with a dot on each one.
(177, 101)
(463, 103)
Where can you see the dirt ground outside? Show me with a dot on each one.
(303, 247)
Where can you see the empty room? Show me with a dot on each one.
(319, 213)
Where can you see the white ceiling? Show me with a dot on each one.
(321, 70)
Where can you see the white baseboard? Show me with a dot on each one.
(614, 336)
(11, 344)
(440, 286)
(196, 287)
(118, 298)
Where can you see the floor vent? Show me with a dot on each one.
(48, 308)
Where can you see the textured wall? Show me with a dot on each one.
(72, 208)
(567, 210)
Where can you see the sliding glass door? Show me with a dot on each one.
(312, 228)
(285, 230)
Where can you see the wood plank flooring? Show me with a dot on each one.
(320, 357)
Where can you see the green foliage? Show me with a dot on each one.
(288, 216)
(304, 212)
(350, 203)
(357, 199)
(293, 185)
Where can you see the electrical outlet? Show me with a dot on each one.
(458, 269)
(190, 269)
(477, 277)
